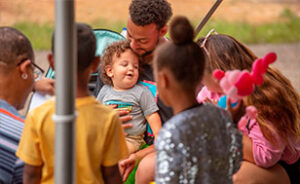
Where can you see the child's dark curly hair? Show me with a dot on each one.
(115, 49)
(144, 12)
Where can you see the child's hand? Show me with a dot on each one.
(236, 112)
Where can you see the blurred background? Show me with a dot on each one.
(263, 25)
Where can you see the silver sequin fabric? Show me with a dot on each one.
(198, 145)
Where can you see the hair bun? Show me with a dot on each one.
(181, 30)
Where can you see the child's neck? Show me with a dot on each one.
(116, 88)
(82, 89)
(82, 93)
(183, 101)
(119, 89)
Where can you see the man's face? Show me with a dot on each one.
(143, 39)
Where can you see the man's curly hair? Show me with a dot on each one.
(144, 12)
(115, 49)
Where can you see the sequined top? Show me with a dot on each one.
(198, 145)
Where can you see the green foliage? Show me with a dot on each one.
(38, 34)
(285, 30)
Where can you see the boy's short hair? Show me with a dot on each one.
(14, 44)
(145, 12)
(115, 49)
(86, 46)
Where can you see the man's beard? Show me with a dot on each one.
(147, 53)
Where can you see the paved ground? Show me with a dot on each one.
(42, 11)
(288, 61)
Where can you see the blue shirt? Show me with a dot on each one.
(11, 127)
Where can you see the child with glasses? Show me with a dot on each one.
(120, 73)
(100, 142)
(272, 137)
(199, 144)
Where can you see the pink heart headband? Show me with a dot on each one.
(238, 84)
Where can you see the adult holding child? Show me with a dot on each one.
(146, 28)
(17, 74)
(271, 139)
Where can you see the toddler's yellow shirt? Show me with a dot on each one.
(99, 140)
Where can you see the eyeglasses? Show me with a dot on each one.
(37, 71)
(211, 32)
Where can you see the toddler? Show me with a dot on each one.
(120, 73)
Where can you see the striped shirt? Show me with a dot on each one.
(11, 127)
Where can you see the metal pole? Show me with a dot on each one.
(65, 67)
(207, 16)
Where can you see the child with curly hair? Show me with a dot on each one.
(120, 73)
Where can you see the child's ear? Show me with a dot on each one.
(108, 70)
(51, 60)
(163, 31)
(164, 80)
